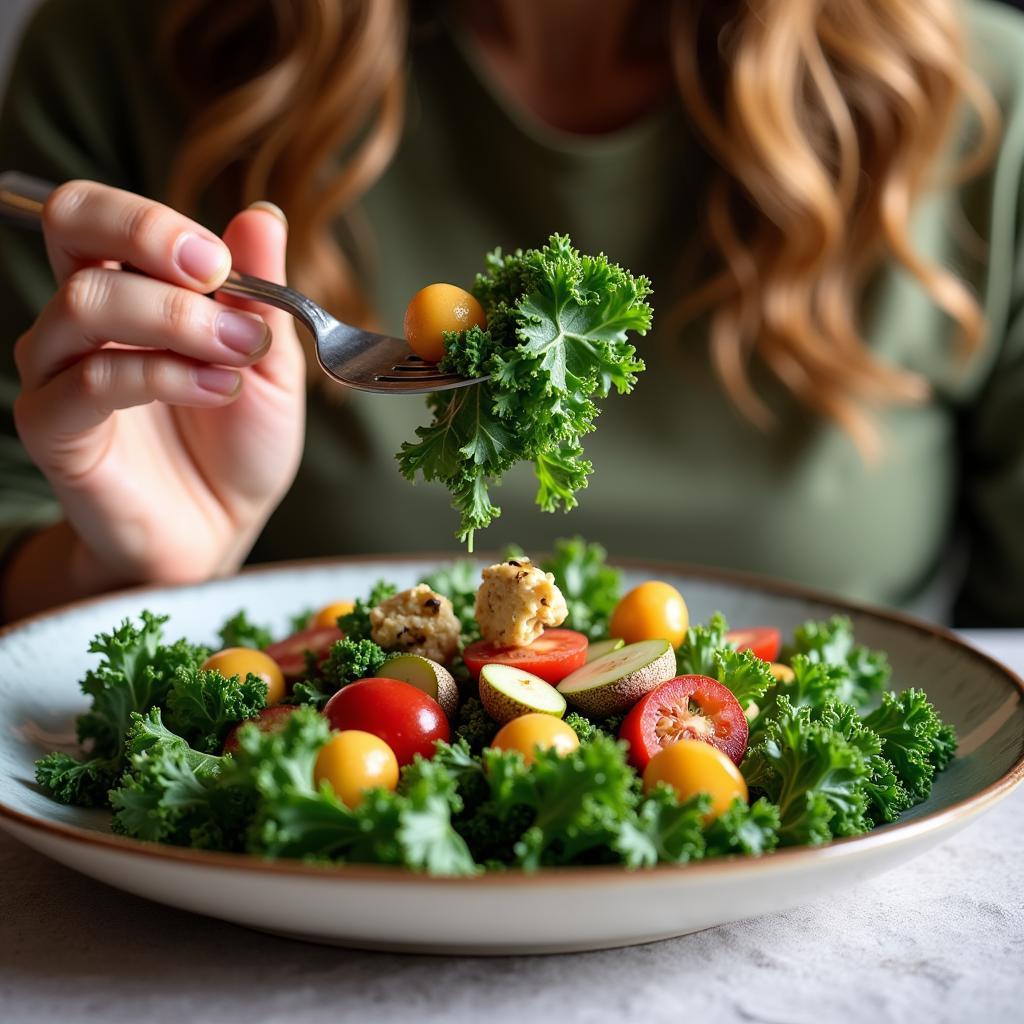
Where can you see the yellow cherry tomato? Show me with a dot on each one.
(435, 309)
(527, 732)
(353, 761)
(693, 766)
(240, 661)
(330, 613)
(651, 611)
(783, 673)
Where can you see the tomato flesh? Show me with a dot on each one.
(290, 653)
(687, 707)
(552, 656)
(405, 718)
(764, 641)
(271, 719)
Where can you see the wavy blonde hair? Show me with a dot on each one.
(826, 120)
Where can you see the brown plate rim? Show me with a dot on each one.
(898, 832)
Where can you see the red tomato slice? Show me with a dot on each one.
(764, 641)
(405, 718)
(290, 653)
(552, 656)
(687, 707)
(268, 720)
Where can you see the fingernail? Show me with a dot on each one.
(217, 380)
(201, 258)
(242, 332)
(269, 207)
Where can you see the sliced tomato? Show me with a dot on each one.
(552, 656)
(268, 720)
(764, 641)
(687, 707)
(290, 653)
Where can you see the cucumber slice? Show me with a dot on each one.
(426, 675)
(508, 692)
(599, 648)
(617, 680)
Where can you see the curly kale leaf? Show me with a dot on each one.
(557, 323)
(662, 830)
(914, 738)
(238, 631)
(136, 672)
(356, 625)
(813, 774)
(587, 729)
(348, 661)
(203, 705)
(813, 685)
(744, 673)
(81, 782)
(294, 818)
(743, 829)
(171, 792)
(458, 582)
(576, 803)
(832, 643)
(591, 588)
(887, 796)
(474, 725)
(695, 656)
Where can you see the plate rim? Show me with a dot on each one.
(844, 848)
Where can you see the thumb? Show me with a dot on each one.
(258, 240)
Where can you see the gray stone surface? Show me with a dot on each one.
(940, 939)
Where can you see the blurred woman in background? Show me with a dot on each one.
(826, 194)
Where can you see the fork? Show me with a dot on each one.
(356, 358)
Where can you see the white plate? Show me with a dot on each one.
(550, 911)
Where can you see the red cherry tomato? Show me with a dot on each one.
(687, 707)
(764, 641)
(290, 653)
(405, 718)
(552, 656)
(268, 720)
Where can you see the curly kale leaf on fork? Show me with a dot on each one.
(555, 341)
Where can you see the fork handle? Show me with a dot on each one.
(21, 203)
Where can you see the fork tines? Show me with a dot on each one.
(415, 368)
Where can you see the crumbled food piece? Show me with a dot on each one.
(516, 601)
(419, 621)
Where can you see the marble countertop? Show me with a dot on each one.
(939, 939)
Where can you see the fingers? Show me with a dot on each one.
(258, 240)
(85, 394)
(86, 223)
(95, 306)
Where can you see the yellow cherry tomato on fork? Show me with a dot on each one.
(528, 732)
(693, 766)
(240, 661)
(436, 309)
(354, 761)
(651, 611)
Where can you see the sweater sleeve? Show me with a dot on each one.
(73, 108)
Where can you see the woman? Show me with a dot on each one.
(823, 400)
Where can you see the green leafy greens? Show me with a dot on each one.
(557, 323)
(591, 588)
(817, 766)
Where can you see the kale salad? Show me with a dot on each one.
(511, 716)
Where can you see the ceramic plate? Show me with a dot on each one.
(42, 659)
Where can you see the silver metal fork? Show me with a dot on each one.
(354, 357)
